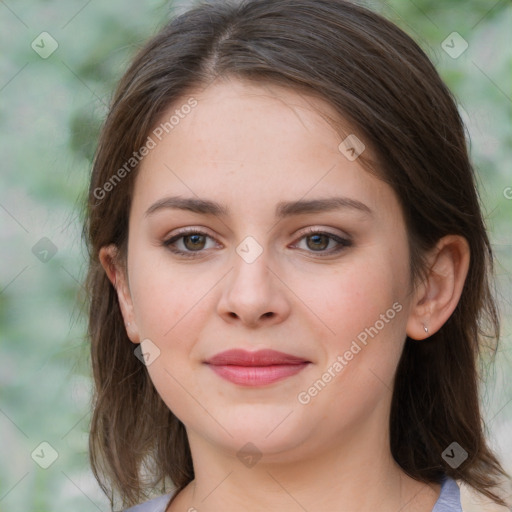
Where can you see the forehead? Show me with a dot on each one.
(243, 119)
(251, 144)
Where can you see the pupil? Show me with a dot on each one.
(195, 239)
(317, 238)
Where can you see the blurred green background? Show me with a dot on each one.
(51, 108)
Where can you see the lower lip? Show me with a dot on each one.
(257, 375)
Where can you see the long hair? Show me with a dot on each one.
(379, 81)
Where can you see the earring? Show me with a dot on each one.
(426, 328)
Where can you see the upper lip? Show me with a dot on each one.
(239, 357)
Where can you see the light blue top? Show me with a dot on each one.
(449, 500)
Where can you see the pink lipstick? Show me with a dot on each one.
(255, 368)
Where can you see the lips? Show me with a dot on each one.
(239, 357)
(255, 368)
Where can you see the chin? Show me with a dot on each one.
(272, 432)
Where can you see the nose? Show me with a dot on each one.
(254, 294)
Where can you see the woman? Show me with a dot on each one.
(289, 270)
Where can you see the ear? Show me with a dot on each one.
(437, 296)
(118, 276)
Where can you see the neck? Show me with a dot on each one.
(342, 477)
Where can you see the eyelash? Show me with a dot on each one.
(343, 242)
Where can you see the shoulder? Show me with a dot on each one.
(449, 499)
(155, 505)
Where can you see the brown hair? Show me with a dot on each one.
(379, 80)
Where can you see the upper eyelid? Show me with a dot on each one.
(189, 231)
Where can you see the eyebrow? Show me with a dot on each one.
(283, 209)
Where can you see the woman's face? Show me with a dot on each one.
(253, 277)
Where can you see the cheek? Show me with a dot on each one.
(164, 297)
(365, 310)
(169, 312)
(350, 301)
(364, 306)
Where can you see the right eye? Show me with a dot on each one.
(191, 242)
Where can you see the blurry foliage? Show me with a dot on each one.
(50, 114)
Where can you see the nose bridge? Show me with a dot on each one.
(252, 292)
(251, 274)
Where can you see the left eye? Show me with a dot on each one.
(318, 241)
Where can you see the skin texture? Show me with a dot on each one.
(249, 147)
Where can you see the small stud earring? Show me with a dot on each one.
(426, 328)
